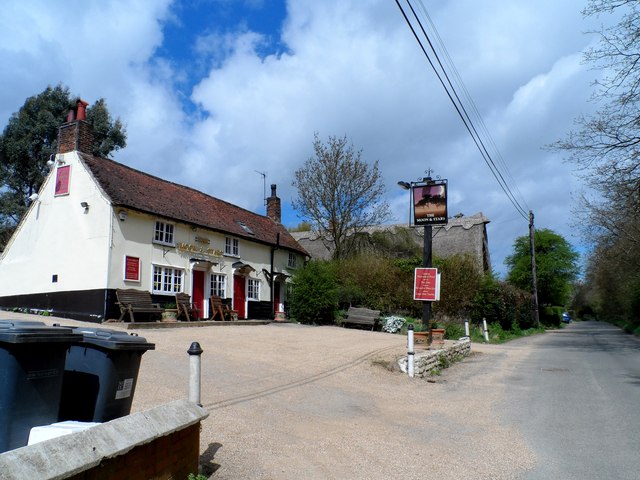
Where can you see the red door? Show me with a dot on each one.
(239, 296)
(276, 297)
(198, 291)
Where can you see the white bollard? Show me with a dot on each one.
(195, 351)
(486, 332)
(466, 328)
(410, 353)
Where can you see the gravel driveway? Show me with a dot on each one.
(290, 401)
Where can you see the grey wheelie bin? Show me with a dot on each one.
(32, 358)
(100, 375)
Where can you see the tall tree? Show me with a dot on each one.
(31, 137)
(340, 194)
(606, 145)
(556, 266)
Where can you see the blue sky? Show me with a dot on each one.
(213, 91)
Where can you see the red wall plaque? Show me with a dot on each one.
(62, 180)
(132, 268)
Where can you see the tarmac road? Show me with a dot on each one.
(575, 398)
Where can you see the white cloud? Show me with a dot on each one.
(349, 68)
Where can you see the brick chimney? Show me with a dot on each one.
(274, 211)
(76, 133)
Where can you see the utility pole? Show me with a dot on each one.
(534, 279)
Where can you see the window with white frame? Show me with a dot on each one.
(253, 289)
(163, 233)
(167, 279)
(231, 247)
(219, 285)
(292, 260)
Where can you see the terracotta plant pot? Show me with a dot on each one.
(421, 337)
(437, 336)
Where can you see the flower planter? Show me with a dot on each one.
(437, 336)
(169, 316)
(421, 338)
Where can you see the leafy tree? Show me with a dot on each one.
(31, 137)
(339, 194)
(556, 266)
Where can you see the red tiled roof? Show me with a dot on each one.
(140, 191)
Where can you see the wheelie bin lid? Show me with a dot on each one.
(31, 331)
(112, 339)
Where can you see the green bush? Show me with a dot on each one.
(501, 303)
(314, 293)
(550, 316)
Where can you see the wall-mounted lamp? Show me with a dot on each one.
(51, 162)
(404, 185)
(122, 215)
(33, 197)
(85, 205)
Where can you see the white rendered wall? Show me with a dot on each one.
(57, 237)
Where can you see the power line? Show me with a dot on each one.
(450, 90)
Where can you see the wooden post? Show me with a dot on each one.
(534, 281)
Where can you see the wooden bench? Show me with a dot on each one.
(219, 308)
(362, 316)
(186, 308)
(136, 301)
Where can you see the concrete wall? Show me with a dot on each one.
(161, 443)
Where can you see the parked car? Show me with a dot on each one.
(566, 318)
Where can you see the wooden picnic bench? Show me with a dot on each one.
(136, 301)
(186, 307)
(362, 316)
(219, 308)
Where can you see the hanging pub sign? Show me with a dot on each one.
(426, 285)
(430, 203)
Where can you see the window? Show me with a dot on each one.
(253, 289)
(167, 279)
(292, 260)
(163, 233)
(219, 285)
(245, 227)
(231, 247)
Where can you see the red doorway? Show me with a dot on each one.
(276, 297)
(239, 296)
(198, 291)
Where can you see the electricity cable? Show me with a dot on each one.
(460, 109)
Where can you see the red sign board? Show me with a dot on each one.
(62, 180)
(132, 268)
(426, 285)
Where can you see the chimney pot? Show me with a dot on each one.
(82, 110)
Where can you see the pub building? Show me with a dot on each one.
(97, 225)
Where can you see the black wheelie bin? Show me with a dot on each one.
(100, 375)
(32, 359)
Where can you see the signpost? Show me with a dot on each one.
(428, 207)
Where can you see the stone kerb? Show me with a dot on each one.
(428, 361)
